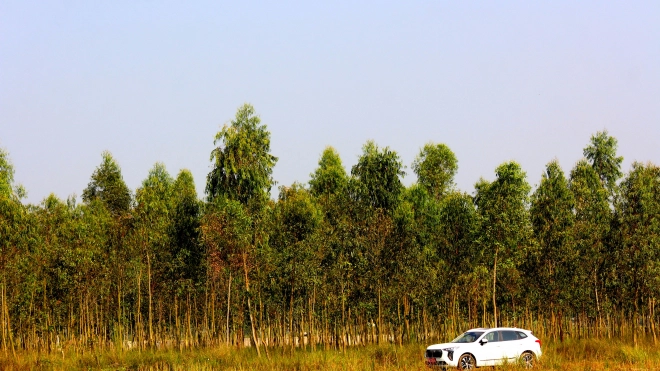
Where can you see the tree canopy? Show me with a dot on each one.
(242, 163)
(344, 259)
(107, 185)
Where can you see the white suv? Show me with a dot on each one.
(486, 347)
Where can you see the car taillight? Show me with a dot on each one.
(538, 341)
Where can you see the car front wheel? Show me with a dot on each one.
(528, 359)
(467, 362)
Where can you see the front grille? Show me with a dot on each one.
(434, 362)
(433, 353)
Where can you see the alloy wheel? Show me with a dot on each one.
(466, 362)
(527, 360)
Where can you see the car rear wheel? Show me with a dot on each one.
(467, 362)
(528, 359)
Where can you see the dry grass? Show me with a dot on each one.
(592, 354)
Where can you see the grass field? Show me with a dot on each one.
(570, 355)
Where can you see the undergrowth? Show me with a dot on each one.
(583, 355)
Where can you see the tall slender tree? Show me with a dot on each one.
(242, 162)
(297, 218)
(242, 171)
(376, 188)
(552, 219)
(593, 219)
(107, 185)
(639, 220)
(151, 227)
(601, 154)
(435, 167)
(330, 176)
(505, 232)
(186, 250)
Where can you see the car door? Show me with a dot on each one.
(511, 345)
(489, 353)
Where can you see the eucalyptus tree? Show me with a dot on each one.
(13, 233)
(186, 249)
(376, 189)
(601, 154)
(435, 167)
(450, 215)
(552, 218)
(151, 235)
(639, 258)
(242, 162)
(505, 231)
(456, 227)
(377, 177)
(56, 264)
(107, 189)
(7, 187)
(107, 185)
(66, 277)
(94, 230)
(409, 261)
(329, 185)
(330, 175)
(242, 171)
(226, 232)
(297, 219)
(593, 219)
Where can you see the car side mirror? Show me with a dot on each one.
(483, 341)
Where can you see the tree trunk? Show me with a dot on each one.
(247, 290)
(138, 317)
(293, 341)
(151, 332)
(228, 305)
(494, 281)
(380, 318)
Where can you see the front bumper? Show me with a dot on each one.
(439, 358)
(435, 362)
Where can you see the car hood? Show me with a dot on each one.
(445, 346)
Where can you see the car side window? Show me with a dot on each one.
(509, 335)
(492, 337)
(521, 335)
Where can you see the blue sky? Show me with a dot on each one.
(153, 81)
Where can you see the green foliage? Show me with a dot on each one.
(601, 154)
(330, 177)
(376, 176)
(107, 185)
(297, 214)
(7, 186)
(296, 222)
(503, 214)
(6, 174)
(639, 218)
(552, 218)
(456, 228)
(505, 233)
(226, 233)
(435, 167)
(186, 249)
(590, 231)
(242, 163)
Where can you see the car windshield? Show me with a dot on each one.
(468, 337)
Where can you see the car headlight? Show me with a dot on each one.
(450, 353)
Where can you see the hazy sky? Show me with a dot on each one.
(153, 81)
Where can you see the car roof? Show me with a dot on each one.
(498, 328)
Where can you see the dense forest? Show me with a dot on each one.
(347, 259)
